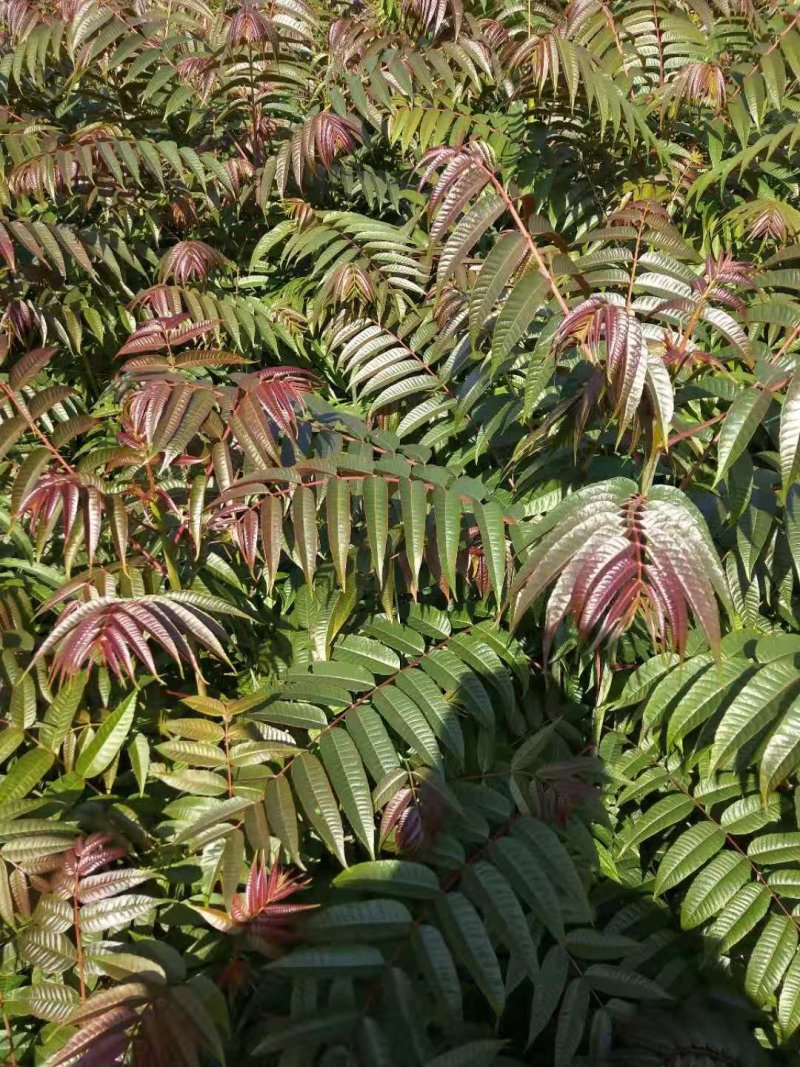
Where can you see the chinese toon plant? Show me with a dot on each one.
(399, 533)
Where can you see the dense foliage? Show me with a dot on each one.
(399, 532)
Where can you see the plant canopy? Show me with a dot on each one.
(399, 533)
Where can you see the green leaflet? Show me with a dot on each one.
(219, 812)
(651, 780)
(473, 1054)
(473, 649)
(620, 982)
(282, 815)
(230, 866)
(390, 877)
(466, 934)
(494, 896)
(25, 774)
(317, 800)
(781, 757)
(547, 991)
(376, 516)
(660, 816)
(460, 684)
(396, 636)
(109, 739)
(526, 299)
(373, 1042)
(337, 510)
(294, 714)
(119, 911)
(571, 1021)
(705, 697)
(792, 521)
(14, 828)
(789, 440)
(495, 273)
(742, 913)
(346, 773)
(196, 783)
(118, 517)
(51, 1001)
(692, 849)
(372, 741)
(789, 1000)
(744, 415)
(529, 881)
(447, 512)
(304, 520)
(753, 708)
(320, 690)
(59, 716)
(28, 474)
(194, 753)
(659, 388)
(772, 954)
(439, 970)
(331, 961)
(404, 717)
(10, 432)
(430, 621)
(640, 683)
(467, 233)
(372, 654)
(196, 502)
(781, 847)
(51, 951)
(413, 500)
(271, 535)
(776, 647)
(785, 882)
(441, 715)
(353, 677)
(554, 858)
(493, 539)
(750, 813)
(593, 944)
(376, 919)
